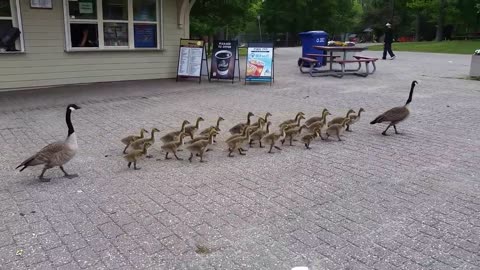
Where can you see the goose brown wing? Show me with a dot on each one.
(395, 114)
(46, 154)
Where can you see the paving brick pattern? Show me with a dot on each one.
(408, 201)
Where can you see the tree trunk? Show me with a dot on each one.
(417, 26)
(441, 18)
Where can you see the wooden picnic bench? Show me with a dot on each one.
(312, 62)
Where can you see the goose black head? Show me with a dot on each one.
(73, 107)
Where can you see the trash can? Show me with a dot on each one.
(310, 39)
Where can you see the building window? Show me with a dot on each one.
(11, 36)
(112, 24)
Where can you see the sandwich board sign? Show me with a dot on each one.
(260, 64)
(191, 58)
(224, 60)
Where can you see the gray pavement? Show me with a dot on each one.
(408, 201)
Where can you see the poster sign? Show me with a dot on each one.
(190, 58)
(85, 7)
(223, 59)
(259, 62)
(145, 35)
(41, 4)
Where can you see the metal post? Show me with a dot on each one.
(259, 27)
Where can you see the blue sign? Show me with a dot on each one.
(145, 35)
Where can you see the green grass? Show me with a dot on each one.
(456, 46)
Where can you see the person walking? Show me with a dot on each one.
(387, 45)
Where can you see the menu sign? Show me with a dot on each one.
(190, 58)
(259, 62)
(223, 59)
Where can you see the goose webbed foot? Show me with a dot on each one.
(43, 179)
(208, 149)
(177, 157)
(244, 150)
(166, 156)
(307, 146)
(384, 133)
(230, 154)
(135, 166)
(69, 176)
(278, 148)
(240, 152)
(149, 156)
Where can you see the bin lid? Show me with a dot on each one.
(315, 33)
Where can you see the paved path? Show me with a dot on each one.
(408, 201)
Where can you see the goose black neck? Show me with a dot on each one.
(411, 94)
(69, 122)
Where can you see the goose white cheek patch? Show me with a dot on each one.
(72, 109)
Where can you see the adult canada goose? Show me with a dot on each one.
(200, 147)
(135, 155)
(57, 153)
(337, 129)
(129, 139)
(272, 138)
(292, 121)
(339, 120)
(395, 115)
(238, 128)
(172, 136)
(172, 147)
(314, 119)
(354, 118)
(308, 138)
(190, 130)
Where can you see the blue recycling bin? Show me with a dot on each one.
(310, 39)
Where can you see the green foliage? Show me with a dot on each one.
(456, 46)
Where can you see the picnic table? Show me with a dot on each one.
(312, 62)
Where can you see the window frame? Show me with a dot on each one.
(100, 22)
(16, 18)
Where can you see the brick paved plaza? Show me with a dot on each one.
(408, 201)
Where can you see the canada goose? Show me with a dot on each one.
(200, 147)
(294, 124)
(57, 153)
(135, 155)
(190, 130)
(172, 136)
(339, 120)
(138, 144)
(217, 127)
(308, 138)
(259, 134)
(239, 127)
(237, 143)
(172, 147)
(292, 132)
(317, 125)
(129, 139)
(314, 119)
(257, 125)
(206, 131)
(354, 118)
(395, 115)
(264, 120)
(337, 129)
(272, 138)
(292, 121)
(204, 137)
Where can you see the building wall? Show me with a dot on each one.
(45, 62)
